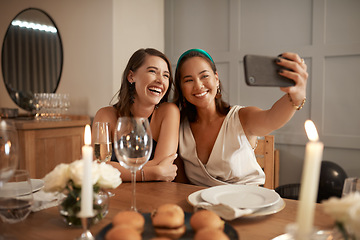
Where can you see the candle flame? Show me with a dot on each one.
(87, 135)
(311, 130)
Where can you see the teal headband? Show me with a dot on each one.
(195, 50)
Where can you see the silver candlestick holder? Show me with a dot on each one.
(86, 234)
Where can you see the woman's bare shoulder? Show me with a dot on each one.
(167, 108)
(106, 114)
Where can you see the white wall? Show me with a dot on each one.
(98, 38)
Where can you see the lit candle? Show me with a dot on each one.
(309, 181)
(87, 187)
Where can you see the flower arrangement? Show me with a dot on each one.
(346, 212)
(103, 176)
(67, 179)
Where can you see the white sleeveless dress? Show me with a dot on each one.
(232, 160)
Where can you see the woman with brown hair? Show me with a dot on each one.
(144, 91)
(216, 140)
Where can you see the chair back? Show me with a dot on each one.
(268, 159)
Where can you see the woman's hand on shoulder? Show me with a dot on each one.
(298, 73)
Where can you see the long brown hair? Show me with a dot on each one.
(124, 103)
(186, 108)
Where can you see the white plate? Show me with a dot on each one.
(241, 196)
(321, 234)
(195, 198)
(22, 188)
(37, 184)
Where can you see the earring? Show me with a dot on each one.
(218, 93)
(132, 92)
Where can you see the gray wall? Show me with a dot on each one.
(325, 33)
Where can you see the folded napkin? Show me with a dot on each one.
(43, 200)
(225, 211)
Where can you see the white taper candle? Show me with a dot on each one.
(87, 187)
(309, 182)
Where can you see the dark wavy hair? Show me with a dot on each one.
(186, 108)
(124, 102)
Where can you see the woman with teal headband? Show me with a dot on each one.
(216, 140)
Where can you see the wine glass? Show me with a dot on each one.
(351, 185)
(66, 105)
(8, 151)
(16, 197)
(133, 146)
(102, 142)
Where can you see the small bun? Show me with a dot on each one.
(210, 234)
(206, 219)
(160, 238)
(130, 218)
(168, 215)
(172, 233)
(168, 221)
(123, 232)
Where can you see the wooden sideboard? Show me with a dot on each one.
(45, 144)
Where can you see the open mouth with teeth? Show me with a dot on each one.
(201, 94)
(155, 90)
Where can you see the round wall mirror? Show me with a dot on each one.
(32, 56)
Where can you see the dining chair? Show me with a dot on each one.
(268, 159)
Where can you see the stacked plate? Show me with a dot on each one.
(261, 201)
(22, 189)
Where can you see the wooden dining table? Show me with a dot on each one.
(48, 224)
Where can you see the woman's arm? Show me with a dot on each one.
(257, 122)
(165, 129)
(109, 114)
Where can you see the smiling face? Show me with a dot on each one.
(198, 82)
(151, 80)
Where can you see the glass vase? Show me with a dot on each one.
(70, 205)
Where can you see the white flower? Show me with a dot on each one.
(104, 175)
(345, 211)
(57, 179)
(354, 213)
(76, 172)
(338, 208)
(109, 176)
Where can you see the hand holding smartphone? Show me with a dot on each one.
(263, 71)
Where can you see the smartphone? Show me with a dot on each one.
(263, 71)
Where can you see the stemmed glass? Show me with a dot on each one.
(102, 142)
(16, 198)
(133, 146)
(8, 151)
(351, 185)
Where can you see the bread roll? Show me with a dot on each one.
(131, 218)
(123, 232)
(210, 234)
(206, 219)
(168, 221)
